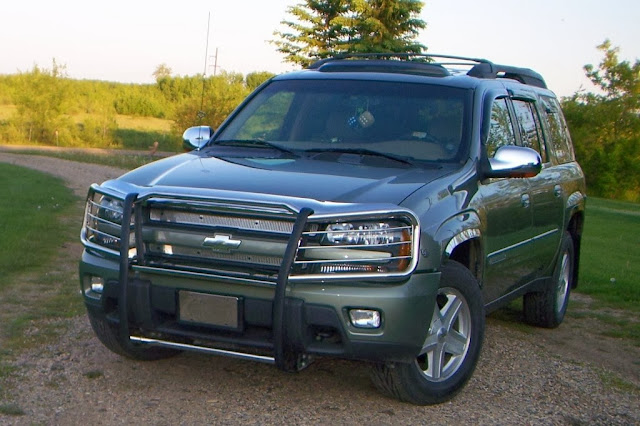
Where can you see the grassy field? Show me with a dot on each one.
(610, 254)
(28, 219)
(134, 133)
(38, 219)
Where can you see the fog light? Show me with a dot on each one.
(364, 318)
(97, 284)
(93, 286)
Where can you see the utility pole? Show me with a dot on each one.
(215, 63)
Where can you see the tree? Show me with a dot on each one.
(222, 94)
(42, 98)
(255, 79)
(606, 126)
(162, 71)
(387, 26)
(325, 28)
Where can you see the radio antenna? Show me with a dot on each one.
(201, 113)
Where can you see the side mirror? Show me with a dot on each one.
(196, 137)
(514, 162)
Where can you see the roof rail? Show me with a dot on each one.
(426, 64)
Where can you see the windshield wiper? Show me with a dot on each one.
(252, 143)
(364, 151)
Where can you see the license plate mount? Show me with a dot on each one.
(211, 310)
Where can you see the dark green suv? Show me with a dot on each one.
(371, 207)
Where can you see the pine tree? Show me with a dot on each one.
(387, 26)
(324, 28)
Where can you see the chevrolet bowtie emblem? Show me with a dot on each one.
(221, 243)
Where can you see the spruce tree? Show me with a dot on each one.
(324, 28)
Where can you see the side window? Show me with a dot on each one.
(559, 135)
(529, 124)
(501, 130)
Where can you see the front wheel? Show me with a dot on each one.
(450, 351)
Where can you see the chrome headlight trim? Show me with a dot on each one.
(103, 221)
(375, 246)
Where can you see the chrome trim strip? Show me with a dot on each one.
(575, 199)
(104, 234)
(217, 204)
(204, 349)
(463, 236)
(546, 234)
(208, 276)
(93, 246)
(365, 215)
(527, 241)
(340, 260)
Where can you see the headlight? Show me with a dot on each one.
(111, 209)
(367, 248)
(103, 222)
(373, 233)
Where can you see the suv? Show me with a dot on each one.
(371, 207)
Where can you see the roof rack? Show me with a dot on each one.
(426, 64)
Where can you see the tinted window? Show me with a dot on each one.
(530, 132)
(559, 135)
(417, 121)
(501, 130)
(268, 119)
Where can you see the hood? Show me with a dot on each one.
(340, 180)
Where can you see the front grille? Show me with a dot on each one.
(165, 216)
(213, 238)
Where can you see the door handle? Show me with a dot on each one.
(557, 191)
(525, 200)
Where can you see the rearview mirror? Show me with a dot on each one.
(196, 137)
(514, 162)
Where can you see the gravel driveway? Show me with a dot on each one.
(525, 375)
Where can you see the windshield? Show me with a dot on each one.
(404, 120)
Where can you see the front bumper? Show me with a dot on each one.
(315, 319)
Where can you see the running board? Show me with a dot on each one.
(186, 347)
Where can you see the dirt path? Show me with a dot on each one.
(570, 375)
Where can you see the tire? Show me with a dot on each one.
(547, 308)
(108, 334)
(454, 340)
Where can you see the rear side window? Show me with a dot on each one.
(530, 131)
(559, 139)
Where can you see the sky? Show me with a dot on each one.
(125, 41)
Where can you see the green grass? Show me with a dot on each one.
(32, 204)
(615, 382)
(143, 123)
(94, 374)
(11, 410)
(610, 254)
(39, 216)
(142, 140)
(134, 133)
